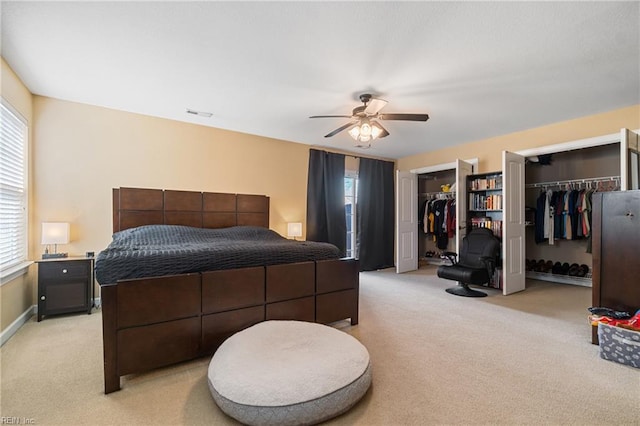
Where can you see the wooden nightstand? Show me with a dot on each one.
(65, 285)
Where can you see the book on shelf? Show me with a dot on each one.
(485, 183)
(487, 222)
(485, 201)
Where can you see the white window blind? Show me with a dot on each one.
(13, 194)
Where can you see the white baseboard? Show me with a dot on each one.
(26, 315)
(19, 322)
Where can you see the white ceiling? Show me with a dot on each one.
(479, 69)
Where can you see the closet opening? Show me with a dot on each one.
(558, 196)
(416, 247)
(437, 224)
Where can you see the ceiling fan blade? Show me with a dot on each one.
(339, 129)
(374, 106)
(384, 133)
(330, 116)
(406, 117)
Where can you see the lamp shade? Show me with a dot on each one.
(294, 229)
(55, 233)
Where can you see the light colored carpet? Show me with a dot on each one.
(436, 359)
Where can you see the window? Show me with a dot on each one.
(13, 190)
(350, 198)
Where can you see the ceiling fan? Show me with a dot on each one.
(364, 126)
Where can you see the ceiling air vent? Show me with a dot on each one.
(200, 113)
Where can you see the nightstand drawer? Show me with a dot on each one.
(64, 270)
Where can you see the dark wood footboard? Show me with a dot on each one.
(154, 322)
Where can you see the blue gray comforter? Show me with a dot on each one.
(156, 250)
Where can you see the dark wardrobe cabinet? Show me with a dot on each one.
(616, 251)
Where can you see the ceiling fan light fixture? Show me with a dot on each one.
(376, 130)
(354, 132)
(364, 126)
(365, 132)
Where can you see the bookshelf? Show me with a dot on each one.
(484, 208)
(485, 202)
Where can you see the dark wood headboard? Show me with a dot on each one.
(138, 206)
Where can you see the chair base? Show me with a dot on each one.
(463, 289)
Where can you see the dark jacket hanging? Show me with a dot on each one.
(326, 220)
(375, 213)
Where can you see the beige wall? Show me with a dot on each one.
(489, 151)
(16, 296)
(82, 152)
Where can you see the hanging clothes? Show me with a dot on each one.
(588, 217)
(545, 217)
(540, 217)
(563, 215)
(549, 218)
(441, 237)
(438, 219)
(451, 218)
(558, 216)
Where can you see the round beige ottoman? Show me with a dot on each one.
(288, 373)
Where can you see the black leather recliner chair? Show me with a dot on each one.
(475, 265)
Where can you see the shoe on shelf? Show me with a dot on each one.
(548, 266)
(573, 270)
(531, 265)
(583, 270)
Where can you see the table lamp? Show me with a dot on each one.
(294, 229)
(54, 233)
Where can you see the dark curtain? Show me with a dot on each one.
(326, 221)
(375, 212)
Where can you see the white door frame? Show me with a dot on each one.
(445, 166)
(408, 261)
(568, 146)
(460, 190)
(619, 138)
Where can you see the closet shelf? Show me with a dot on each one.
(485, 190)
(434, 261)
(563, 279)
(572, 181)
(439, 194)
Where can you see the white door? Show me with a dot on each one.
(513, 239)
(463, 169)
(406, 221)
(629, 141)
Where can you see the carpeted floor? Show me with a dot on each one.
(437, 359)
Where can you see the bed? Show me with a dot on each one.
(153, 317)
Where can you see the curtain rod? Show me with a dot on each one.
(371, 158)
(322, 148)
(570, 181)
